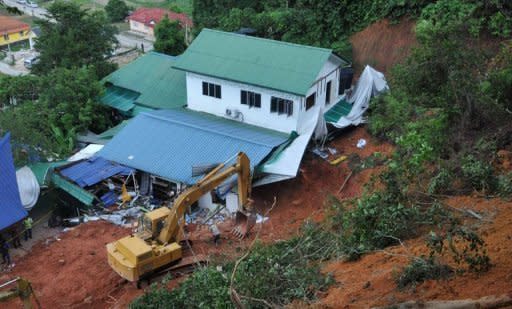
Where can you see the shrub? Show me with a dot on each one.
(505, 185)
(441, 182)
(116, 10)
(421, 269)
(478, 174)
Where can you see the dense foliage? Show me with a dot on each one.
(116, 10)
(170, 37)
(275, 274)
(76, 37)
(50, 110)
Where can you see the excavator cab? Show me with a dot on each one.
(151, 223)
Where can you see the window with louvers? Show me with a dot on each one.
(212, 90)
(281, 106)
(250, 98)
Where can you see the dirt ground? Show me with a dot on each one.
(383, 44)
(369, 281)
(73, 271)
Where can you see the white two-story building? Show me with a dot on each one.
(266, 83)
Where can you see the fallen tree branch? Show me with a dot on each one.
(345, 182)
(235, 297)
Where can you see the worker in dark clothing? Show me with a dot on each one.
(4, 248)
(14, 232)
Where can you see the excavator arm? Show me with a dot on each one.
(212, 180)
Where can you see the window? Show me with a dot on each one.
(250, 98)
(21, 33)
(310, 101)
(328, 93)
(6, 37)
(212, 90)
(345, 80)
(281, 106)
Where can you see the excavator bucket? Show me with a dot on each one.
(243, 224)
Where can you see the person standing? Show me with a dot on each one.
(5, 253)
(15, 236)
(28, 228)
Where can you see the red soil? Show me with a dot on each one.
(74, 272)
(369, 281)
(383, 44)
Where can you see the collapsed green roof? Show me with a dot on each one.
(261, 62)
(150, 81)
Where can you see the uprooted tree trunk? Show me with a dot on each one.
(488, 302)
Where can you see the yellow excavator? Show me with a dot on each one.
(156, 245)
(23, 290)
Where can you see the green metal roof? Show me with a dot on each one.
(120, 98)
(152, 76)
(42, 169)
(74, 190)
(340, 109)
(110, 133)
(267, 63)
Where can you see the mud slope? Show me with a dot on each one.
(383, 44)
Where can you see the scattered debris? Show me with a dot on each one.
(361, 143)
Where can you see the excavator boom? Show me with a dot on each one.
(138, 255)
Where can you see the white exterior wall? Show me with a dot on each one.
(140, 27)
(231, 99)
(262, 116)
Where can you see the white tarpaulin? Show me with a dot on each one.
(86, 153)
(28, 187)
(371, 83)
(321, 126)
(287, 163)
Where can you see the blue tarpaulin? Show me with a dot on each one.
(11, 210)
(92, 171)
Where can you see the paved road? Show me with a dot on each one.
(9, 70)
(36, 12)
(126, 39)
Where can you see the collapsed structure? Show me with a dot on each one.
(225, 94)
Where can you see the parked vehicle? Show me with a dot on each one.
(29, 62)
(21, 1)
(32, 4)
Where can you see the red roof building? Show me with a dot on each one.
(152, 16)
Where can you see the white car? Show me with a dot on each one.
(21, 1)
(32, 4)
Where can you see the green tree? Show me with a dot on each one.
(116, 10)
(59, 105)
(75, 38)
(170, 38)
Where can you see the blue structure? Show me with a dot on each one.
(11, 209)
(89, 172)
(168, 143)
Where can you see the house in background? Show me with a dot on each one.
(266, 83)
(143, 20)
(14, 34)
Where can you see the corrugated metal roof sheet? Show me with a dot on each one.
(11, 209)
(74, 190)
(91, 171)
(152, 75)
(114, 130)
(272, 64)
(119, 98)
(42, 170)
(340, 109)
(168, 143)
